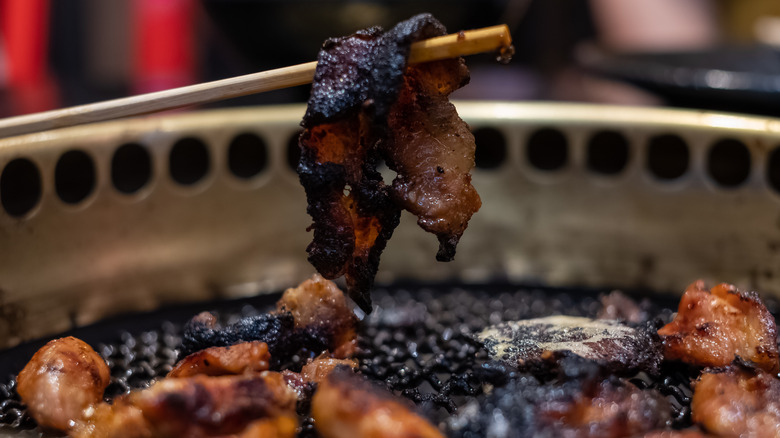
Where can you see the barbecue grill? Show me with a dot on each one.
(128, 228)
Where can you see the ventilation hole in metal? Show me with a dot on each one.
(293, 151)
(491, 148)
(728, 163)
(189, 161)
(131, 168)
(247, 155)
(74, 176)
(607, 152)
(667, 156)
(20, 187)
(773, 169)
(547, 149)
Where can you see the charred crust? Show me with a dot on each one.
(273, 329)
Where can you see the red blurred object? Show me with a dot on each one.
(164, 51)
(24, 27)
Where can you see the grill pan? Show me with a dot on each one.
(197, 210)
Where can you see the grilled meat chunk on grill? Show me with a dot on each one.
(320, 310)
(739, 400)
(538, 345)
(347, 406)
(241, 358)
(714, 327)
(586, 404)
(366, 106)
(62, 380)
(199, 406)
(313, 316)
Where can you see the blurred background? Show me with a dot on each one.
(722, 55)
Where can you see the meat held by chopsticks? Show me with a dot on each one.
(739, 400)
(714, 327)
(62, 380)
(432, 150)
(366, 106)
(347, 406)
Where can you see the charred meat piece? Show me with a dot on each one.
(202, 332)
(199, 406)
(62, 380)
(347, 406)
(320, 310)
(712, 328)
(740, 400)
(313, 316)
(586, 406)
(366, 106)
(242, 358)
(537, 345)
(224, 405)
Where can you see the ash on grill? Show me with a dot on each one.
(418, 342)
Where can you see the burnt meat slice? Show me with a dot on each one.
(367, 106)
(538, 345)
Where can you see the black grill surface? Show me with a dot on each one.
(417, 342)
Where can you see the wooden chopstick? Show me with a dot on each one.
(448, 46)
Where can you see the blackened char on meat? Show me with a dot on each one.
(367, 106)
(202, 332)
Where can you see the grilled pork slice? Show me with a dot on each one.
(739, 400)
(713, 328)
(347, 406)
(538, 345)
(62, 380)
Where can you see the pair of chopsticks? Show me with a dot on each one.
(447, 46)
